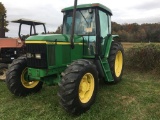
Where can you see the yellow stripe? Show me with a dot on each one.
(45, 42)
(38, 42)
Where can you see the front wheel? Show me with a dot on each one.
(17, 77)
(78, 88)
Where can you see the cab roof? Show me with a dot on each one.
(93, 5)
(27, 22)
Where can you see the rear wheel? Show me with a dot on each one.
(116, 57)
(17, 79)
(3, 70)
(78, 88)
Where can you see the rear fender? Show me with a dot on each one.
(108, 42)
(107, 45)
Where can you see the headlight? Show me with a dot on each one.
(38, 56)
(29, 55)
(15, 52)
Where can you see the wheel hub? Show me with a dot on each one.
(86, 87)
(118, 63)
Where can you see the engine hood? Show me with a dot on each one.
(54, 38)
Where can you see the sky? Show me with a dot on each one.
(49, 11)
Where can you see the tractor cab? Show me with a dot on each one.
(93, 23)
(30, 28)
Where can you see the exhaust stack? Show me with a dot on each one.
(73, 24)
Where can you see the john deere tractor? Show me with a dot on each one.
(76, 60)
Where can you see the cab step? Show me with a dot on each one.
(106, 69)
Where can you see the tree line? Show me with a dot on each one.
(147, 32)
(3, 12)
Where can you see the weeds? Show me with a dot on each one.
(143, 57)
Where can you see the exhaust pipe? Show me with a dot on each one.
(73, 24)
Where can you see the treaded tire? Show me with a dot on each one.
(69, 91)
(3, 70)
(13, 79)
(116, 48)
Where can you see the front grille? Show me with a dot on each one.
(37, 49)
(7, 55)
(8, 52)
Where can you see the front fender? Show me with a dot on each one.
(107, 45)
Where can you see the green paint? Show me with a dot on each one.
(52, 80)
(106, 70)
(107, 46)
(54, 38)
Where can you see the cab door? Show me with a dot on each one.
(105, 30)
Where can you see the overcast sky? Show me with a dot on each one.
(49, 11)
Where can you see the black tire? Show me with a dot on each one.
(15, 79)
(3, 70)
(116, 69)
(73, 96)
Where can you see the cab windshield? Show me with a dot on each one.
(84, 22)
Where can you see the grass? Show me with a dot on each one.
(136, 97)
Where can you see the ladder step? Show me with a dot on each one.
(107, 71)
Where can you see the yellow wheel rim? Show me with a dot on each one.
(3, 74)
(25, 83)
(86, 87)
(118, 63)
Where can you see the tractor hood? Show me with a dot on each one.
(54, 38)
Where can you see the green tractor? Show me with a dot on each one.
(76, 60)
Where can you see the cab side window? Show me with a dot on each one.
(104, 24)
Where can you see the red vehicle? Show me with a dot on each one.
(11, 48)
